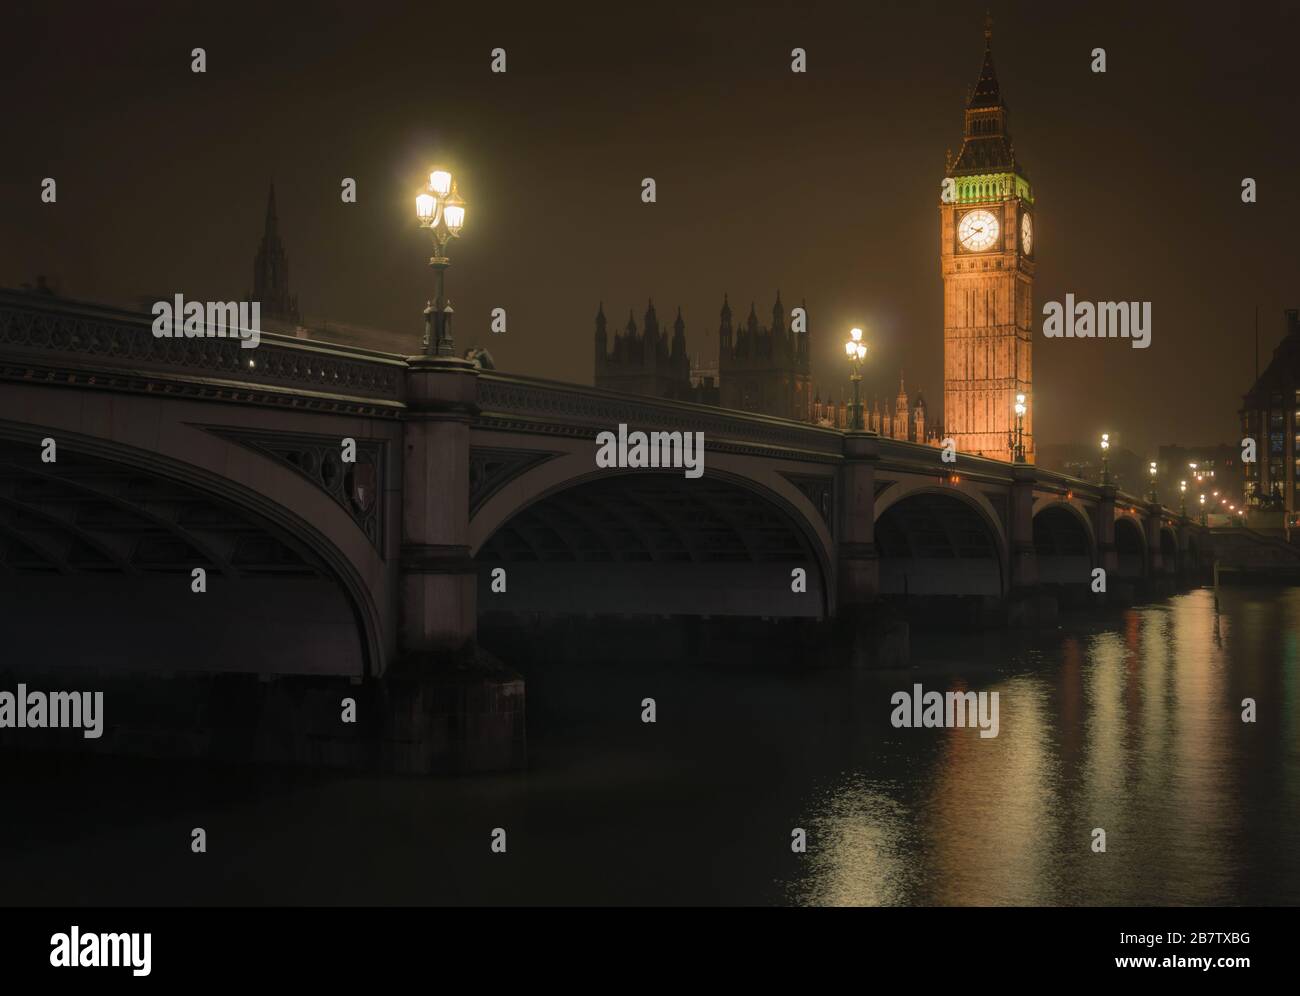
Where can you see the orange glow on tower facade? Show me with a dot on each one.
(987, 249)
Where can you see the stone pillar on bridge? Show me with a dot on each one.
(1152, 519)
(1020, 538)
(866, 631)
(438, 575)
(857, 569)
(1027, 604)
(1107, 556)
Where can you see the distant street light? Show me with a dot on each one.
(1105, 459)
(1154, 473)
(856, 350)
(440, 209)
(1202, 509)
(1182, 498)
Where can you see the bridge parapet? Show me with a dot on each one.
(508, 401)
(87, 345)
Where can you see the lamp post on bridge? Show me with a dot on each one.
(1202, 509)
(1182, 498)
(1016, 438)
(1105, 459)
(856, 350)
(1155, 494)
(440, 209)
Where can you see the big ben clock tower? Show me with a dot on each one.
(987, 246)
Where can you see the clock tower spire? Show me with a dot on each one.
(986, 255)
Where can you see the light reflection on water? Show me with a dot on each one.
(1128, 722)
(1133, 728)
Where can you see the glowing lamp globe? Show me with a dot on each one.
(454, 215)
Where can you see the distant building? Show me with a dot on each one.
(644, 361)
(1269, 415)
(1218, 468)
(271, 272)
(281, 313)
(907, 418)
(765, 370)
(757, 369)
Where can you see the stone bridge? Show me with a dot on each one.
(128, 461)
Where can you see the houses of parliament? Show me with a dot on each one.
(760, 368)
(986, 255)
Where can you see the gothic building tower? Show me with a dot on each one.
(645, 362)
(765, 370)
(986, 226)
(759, 369)
(271, 272)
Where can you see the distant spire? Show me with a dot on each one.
(272, 221)
(988, 29)
(271, 270)
(726, 306)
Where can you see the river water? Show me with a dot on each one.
(1130, 722)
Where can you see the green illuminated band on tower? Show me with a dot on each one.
(987, 187)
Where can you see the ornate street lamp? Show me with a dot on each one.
(440, 209)
(1154, 473)
(1016, 440)
(1202, 509)
(1105, 459)
(1182, 498)
(856, 350)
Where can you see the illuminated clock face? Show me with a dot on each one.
(1027, 234)
(978, 231)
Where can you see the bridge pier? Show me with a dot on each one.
(858, 583)
(1028, 603)
(1107, 555)
(1118, 593)
(438, 575)
(864, 629)
(453, 705)
(1158, 584)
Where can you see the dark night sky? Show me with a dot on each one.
(824, 185)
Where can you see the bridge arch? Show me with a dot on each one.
(112, 529)
(644, 542)
(1130, 547)
(1169, 558)
(1065, 545)
(939, 540)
